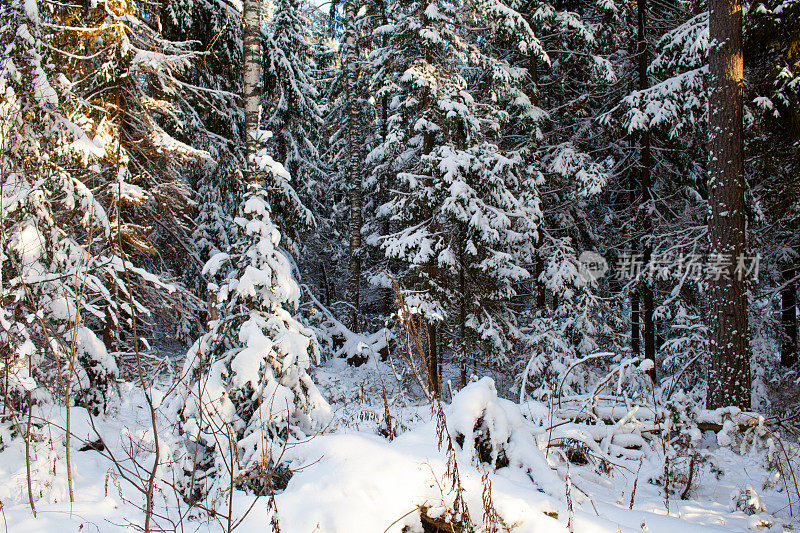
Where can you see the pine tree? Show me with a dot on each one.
(215, 122)
(773, 97)
(668, 230)
(570, 81)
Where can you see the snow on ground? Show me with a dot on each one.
(351, 480)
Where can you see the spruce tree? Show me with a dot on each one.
(247, 376)
(292, 115)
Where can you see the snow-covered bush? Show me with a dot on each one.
(248, 390)
(550, 355)
(748, 501)
(493, 430)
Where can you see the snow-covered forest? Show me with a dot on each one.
(416, 266)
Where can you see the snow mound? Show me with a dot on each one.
(354, 482)
(492, 430)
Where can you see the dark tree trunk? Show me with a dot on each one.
(462, 311)
(635, 325)
(538, 270)
(646, 183)
(326, 285)
(385, 177)
(538, 262)
(433, 360)
(433, 271)
(729, 367)
(789, 318)
(635, 316)
(353, 162)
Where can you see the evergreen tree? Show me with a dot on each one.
(247, 376)
(90, 192)
(462, 235)
(216, 121)
(292, 115)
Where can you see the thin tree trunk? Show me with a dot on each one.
(28, 453)
(385, 184)
(353, 151)
(538, 262)
(541, 290)
(251, 82)
(635, 324)
(789, 318)
(729, 368)
(635, 317)
(433, 271)
(462, 311)
(645, 181)
(433, 360)
(326, 284)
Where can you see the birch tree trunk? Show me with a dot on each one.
(251, 83)
(729, 368)
(350, 60)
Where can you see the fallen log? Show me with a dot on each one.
(706, 420)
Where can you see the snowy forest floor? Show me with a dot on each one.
(352, 479)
